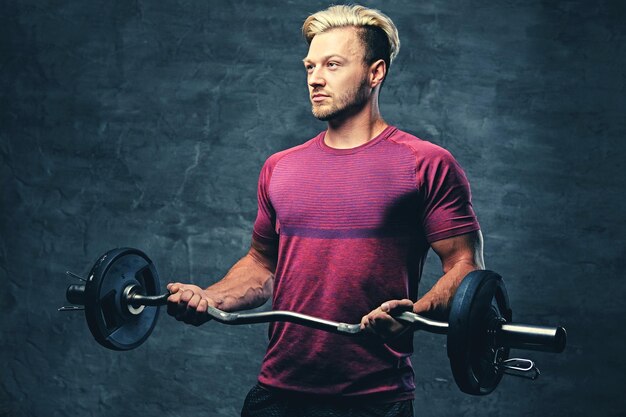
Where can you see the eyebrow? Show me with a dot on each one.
(324, 58)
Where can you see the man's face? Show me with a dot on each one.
(336, 74)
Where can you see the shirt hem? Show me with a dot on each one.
(371, 398)
(452, 232)
(262, 239)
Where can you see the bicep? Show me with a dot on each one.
(264, 253)
(465, 249)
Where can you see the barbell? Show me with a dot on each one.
(121, 301)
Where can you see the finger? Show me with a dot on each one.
(174, 298)
(369, 318)
(364, 322)
(194, 301)
(203, 306)
(368, 328)
(376, 327)
(190, 313)
(199, 316)
(378, 314)
(174, 287)
(181, 309)
(187, 294)
(373, 321)
(385, 326)
(172, 304)
(196, 317)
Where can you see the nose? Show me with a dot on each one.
(315, 78)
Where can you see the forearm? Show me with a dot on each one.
(439, 298)
(459, 256)
(248, 284)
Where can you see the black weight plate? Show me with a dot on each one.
(480, 300)
(109, 320)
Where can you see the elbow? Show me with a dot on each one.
(464, 266)
(267, 289)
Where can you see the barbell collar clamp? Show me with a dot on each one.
(520, 367)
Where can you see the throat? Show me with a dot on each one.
(352, 136)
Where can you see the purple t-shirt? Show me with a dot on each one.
(353, 227)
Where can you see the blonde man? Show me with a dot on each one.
(343, 227)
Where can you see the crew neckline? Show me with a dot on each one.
(376, 139)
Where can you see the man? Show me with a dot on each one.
(344, 224)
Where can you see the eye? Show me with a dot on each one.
(308, 67)
(332, 64)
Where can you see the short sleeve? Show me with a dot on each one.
(265, 224)
(447, 205)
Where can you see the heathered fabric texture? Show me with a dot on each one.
(353, 227)
(261, 402)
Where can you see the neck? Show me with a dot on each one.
(357, 129)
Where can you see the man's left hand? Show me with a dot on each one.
(381, 323)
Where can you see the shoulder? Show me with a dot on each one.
(274, 159)
(425, 152)
(433, 164)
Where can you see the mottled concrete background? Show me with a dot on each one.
(145, 124)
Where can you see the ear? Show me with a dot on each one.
(377, 73)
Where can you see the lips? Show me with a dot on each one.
(319, 97)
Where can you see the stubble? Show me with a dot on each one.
(345, 105)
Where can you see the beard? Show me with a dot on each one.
(344, 105)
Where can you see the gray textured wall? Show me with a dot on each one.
(145, 124)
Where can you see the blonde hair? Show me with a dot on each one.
(369, 20)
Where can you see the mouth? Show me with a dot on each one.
(317, 97)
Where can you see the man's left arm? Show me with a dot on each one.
(459, 256)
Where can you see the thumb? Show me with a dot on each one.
(397, 306)
(173, 287)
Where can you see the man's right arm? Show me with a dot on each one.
(248, 284)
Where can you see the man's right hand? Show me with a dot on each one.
(188, 303)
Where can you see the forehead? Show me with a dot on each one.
(340, 41)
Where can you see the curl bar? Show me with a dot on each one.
(121, 304)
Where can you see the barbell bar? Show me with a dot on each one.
(121, 303)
